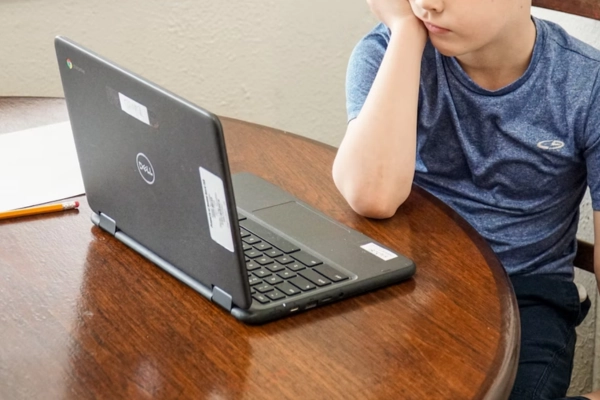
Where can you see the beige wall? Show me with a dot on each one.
(275, 62)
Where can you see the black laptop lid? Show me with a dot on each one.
(156, 165)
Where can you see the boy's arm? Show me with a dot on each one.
(597, 247)
(375, 163)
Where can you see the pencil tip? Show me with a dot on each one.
(76, 204)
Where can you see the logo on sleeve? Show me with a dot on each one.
(551, 144)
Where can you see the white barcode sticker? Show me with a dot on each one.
(379, 251)
(133, 108)
(216, 209)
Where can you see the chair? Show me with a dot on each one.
(584, 8)
(584, 258)
(590, 9)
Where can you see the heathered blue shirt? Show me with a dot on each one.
(514, 162)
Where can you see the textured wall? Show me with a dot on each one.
(280, 63)
(276, 62)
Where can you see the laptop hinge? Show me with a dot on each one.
(108, 224)
(222, 298)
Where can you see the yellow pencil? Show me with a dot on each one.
(39, 210)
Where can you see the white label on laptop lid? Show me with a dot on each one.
(133, 108)
(216, 209)
(379, 251)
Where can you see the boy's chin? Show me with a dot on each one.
(446, 49)
(446, 53)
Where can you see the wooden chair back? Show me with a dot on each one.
(584, 8)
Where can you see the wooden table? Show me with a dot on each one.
(82, 316)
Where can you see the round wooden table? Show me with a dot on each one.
(83, 316)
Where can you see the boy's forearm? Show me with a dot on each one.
(375, 164)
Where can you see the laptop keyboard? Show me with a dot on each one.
(278, 269)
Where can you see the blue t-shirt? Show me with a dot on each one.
(513, 162)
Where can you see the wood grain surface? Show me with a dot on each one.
(84, 317)
(584, 8)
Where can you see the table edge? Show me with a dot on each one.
(494, 386)
(507, 355)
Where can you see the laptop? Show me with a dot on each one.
(156, 176)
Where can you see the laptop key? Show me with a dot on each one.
(251, 266)
(285, 260)
(254, 280)
(275, 267)
(275, 295)
(264, 287)
(244, 233)
(262, 246)
(261, 273)
(288, 289)
(306, 258)
(269, 236)
(253, 253)
(296, 266)
(273, 280)
(261, 298)
(302, 283)
(251, 239)
(273, 253)
(264, 260)
(331, 273)
(314, 277)
(286, 274)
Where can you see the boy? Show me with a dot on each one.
(498, 115)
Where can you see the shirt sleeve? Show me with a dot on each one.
(592, 146)
(362, 68)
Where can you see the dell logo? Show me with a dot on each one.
(145, 168)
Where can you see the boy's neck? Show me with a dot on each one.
(500, 64)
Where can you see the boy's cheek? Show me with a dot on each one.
(415, 8)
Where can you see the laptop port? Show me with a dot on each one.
(325, 300)
(310, 305)
(294, 309)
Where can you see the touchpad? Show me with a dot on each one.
(339, 245)
(305, 225)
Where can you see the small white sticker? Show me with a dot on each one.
(379, 251)
(133, 108)
(216, 209)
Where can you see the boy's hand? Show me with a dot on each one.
(395, 12)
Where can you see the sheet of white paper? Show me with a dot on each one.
(37, 166)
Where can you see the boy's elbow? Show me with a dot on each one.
(369, 199)
(376, 206)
